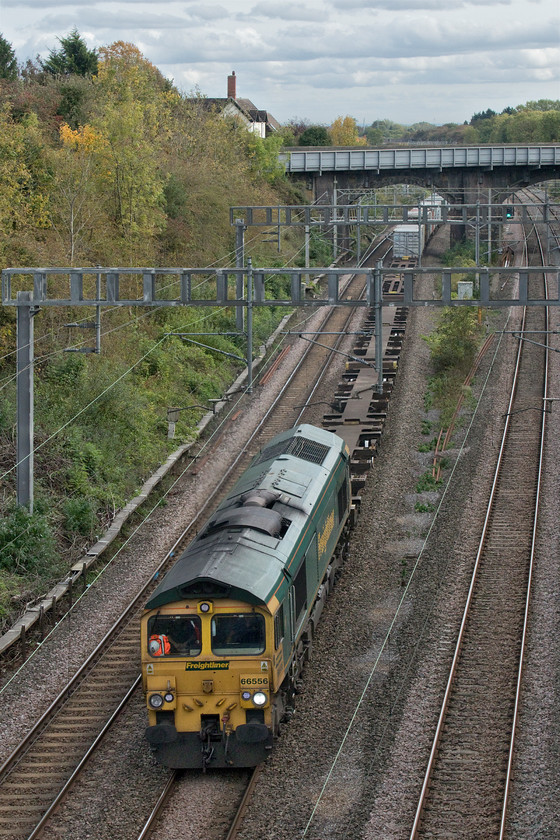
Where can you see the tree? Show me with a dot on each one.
(8, 63)
(292, 131)
(76, 100)
(76, 209)
(482, 115)
(315, 135)
(263, 156)
(385, 131)
(123, 68)
(540, 105)
(73, 58)
(344, 132)
(374, 136)
(24, 183)
(134, 102)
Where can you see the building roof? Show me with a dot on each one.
(245, 109)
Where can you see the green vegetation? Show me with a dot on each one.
(428, 447)
(315, 135)
(453, 347)
(104, 162)
(426, 427)
(454, 342)
(427, 483)
(73, 58)
(8, 63)
(425, 507)
(534, 122)
(461, 253)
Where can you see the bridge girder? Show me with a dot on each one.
(454, 184)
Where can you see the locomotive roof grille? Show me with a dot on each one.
(300, 447)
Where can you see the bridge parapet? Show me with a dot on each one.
(352, 159)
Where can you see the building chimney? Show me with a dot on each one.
(231, 86)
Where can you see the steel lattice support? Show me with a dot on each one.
(24, 380)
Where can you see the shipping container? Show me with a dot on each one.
(408, 241)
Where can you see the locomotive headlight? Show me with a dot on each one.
(259, 698)
(168, 697)
(155, 701)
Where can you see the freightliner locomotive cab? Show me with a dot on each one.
(227, 632)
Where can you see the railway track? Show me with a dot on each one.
(40, 771)
(465, 789)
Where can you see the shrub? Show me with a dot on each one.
(80, 516)
(424, 507)
(454, 342)
(26, 542)
(428, 447)
(427, 483)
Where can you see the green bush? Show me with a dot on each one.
(27, 544)
(454, 342)
(459, 254)
(426, 427)
(80, 516)
(427, 483)
(427, 507)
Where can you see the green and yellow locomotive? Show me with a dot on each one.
(227, 632)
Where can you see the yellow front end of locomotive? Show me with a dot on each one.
(207, 675)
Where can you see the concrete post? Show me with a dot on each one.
(489, 260)
(359, 231)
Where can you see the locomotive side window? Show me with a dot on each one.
(174, 635)
(238, 633)
(279, 627)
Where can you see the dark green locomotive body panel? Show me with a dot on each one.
(252, 546)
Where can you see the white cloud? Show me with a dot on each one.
(284, 11)
(323, 57)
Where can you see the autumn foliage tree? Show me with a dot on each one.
(134, 102)
(76, 211)
(344, 132)
(24, 185)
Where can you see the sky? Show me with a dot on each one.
(408, 61)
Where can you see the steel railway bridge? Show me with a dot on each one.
(455, 171)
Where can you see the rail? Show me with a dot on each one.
(127, 627)
(428, 784)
